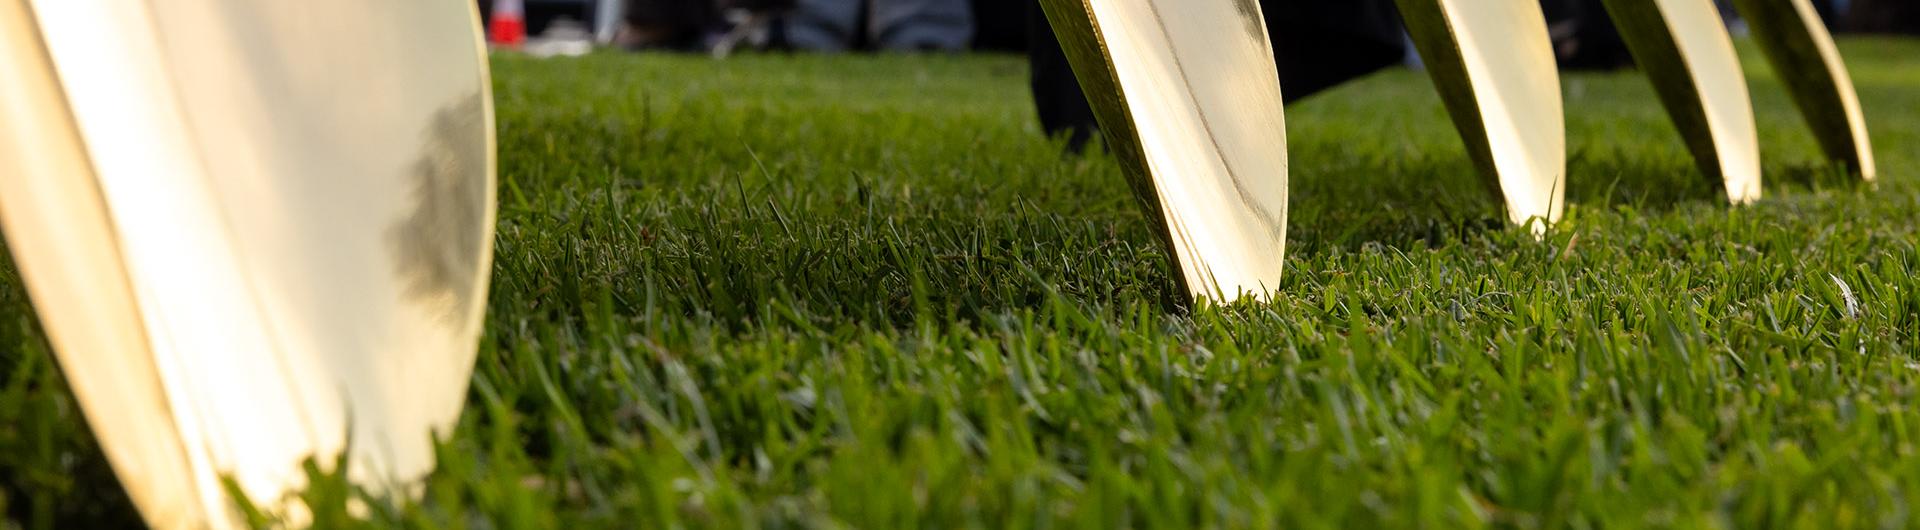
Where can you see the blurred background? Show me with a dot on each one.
(1007, 25)
(1318, 44)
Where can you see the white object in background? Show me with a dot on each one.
(563, 38)
(608, 15)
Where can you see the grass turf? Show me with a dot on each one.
(865, 292)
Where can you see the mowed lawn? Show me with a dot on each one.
(865, 292)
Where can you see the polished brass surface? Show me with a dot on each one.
(250, 229)
(1493, 63)
(63, 242)
(1805, 59)
(1683, 46)
(1189, 99)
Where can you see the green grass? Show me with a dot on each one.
(864, 292)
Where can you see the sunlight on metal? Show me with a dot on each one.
(273, 227)
(1493, 63)
(1189, 99)
(1806, 60)
(1684, 48)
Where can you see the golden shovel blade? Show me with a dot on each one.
(1493, 63)
(1189, 99)
(1806, 60)
(1684, 48)
(251, 228)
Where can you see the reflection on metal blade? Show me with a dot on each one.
(1805, 59)
(1186, 91)
(1493, 63)
(251, 228)
(62, 241)
(1684, 48)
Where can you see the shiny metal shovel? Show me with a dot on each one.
(1493, 63)
(251, 228)
(1683, 46)
(1187, 94)
(1806, 60)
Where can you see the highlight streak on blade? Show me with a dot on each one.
(58, 228)
(298, 199)
(1493, 63)
(1186, 91)
(1806, 60)
(1684, 47)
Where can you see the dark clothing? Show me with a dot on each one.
(1584, 37)
(892, 25)
(1000, 25)
(672, 24)
(1318, 44)
(1884, 16)
(1062, 106)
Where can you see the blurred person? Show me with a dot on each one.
(1884, 16)
(825, 25)
(1318, 45)
(891, 25)
(1831, 12)
(669, 24)
(698, 25)
(1000, 25)
(750, 23)
(1584, 37)
(538, 15)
